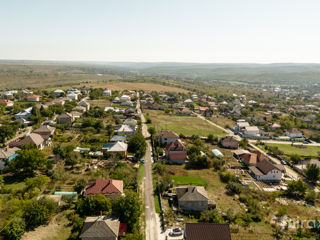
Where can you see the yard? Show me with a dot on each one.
(288, 149)
(187, 126)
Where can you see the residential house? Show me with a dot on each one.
(118, 138)
(58, 92)
(131, 122)
(228, 142)
(294, 133)
(115, 148)
(251, 131)
(176, 152)
(125, 98)
(126, 130)
(6, 103)
(208, 113)
(274, 127)
(193, 198)
(27, 92)
(34, 98)
(184, 112)
(116, 100)
(127, 103)
(72, 96)
(266, 171)
(23, 115)
(84, 104)
(249, 158)
(45, 131)
(102, 227)
(109, 187)
(207, 231)
(202, 110)
(6, 155)
(107, 93)
(241, 125)
(65, 118)
(188, 101)
(32, 139)
(166, 137)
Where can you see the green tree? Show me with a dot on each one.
(313, 172)
(28, 160)
(37, 182)
(137, 145)
(151, 130)
(93, 205)
(297, 188)
(38, 212)
(80, 185)
(14, 229)
(128, 209)
(211, 216)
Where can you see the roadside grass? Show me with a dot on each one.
(188, 180)
(156, 197)
(222, 121)
(185, 125)
(140, 173)
(303, 151)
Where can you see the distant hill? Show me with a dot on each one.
(246, 73)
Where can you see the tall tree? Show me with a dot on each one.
(28, 160)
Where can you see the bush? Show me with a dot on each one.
(94, 205)
(227, 177)
(14, 229)
(234, 188)
(38, 212)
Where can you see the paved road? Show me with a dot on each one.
(152, 224)
(286, 142)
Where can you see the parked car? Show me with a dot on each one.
(142, 161)
(283, 162)
(169, 195)
(177, 229)
(179, 219)
(175, 234)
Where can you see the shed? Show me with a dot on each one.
(217, 153)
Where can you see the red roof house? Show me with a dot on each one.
(176, 152)
(108, 187)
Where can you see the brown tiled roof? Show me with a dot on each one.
(178, 156)
(175, 146)
(265, 166)
(104, 186)
(207, 231)
(167, 134)
(250, 158)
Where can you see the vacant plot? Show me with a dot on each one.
(121, 86)
(288, 149)
(187, 126)
(188, 180)
(100, 103)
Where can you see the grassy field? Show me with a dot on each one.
(288, 149)
(181, 125)
(121, 86)
(187, 180)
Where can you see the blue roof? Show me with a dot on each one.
(217, 153)
(12, 156)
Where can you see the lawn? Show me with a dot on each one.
(187, 126)
(305, 151)
(188, 180)
(156, 197)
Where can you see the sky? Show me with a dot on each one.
(216, 31)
